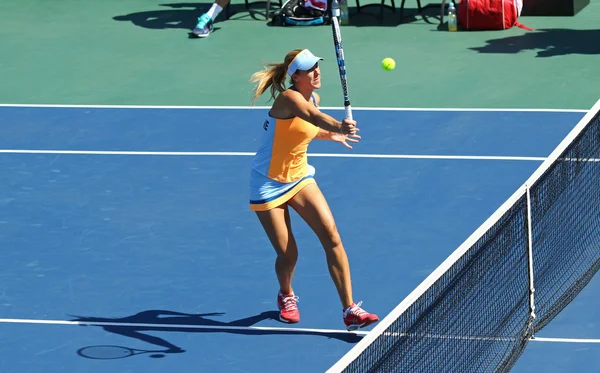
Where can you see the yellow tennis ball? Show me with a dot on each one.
(388, 64)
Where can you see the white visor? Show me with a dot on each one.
(305, 60)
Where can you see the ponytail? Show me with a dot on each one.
(272, 77)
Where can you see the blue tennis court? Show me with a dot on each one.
(129, 226)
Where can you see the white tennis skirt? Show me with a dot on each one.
(266, 193)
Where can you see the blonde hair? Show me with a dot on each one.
(272, 77)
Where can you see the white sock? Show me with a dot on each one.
(214, 11)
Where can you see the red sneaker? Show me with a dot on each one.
(355, 317)
(288, 311)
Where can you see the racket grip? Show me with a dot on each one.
(348, 110)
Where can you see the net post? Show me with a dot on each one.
(530, 261)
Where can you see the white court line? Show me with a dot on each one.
(182, 326)
(267, 107)
(247, 154)
(256, 329)
(566, 340)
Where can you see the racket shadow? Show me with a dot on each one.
(111, 352)
(135, 326)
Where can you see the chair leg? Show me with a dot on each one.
(442, 12)
(268, 9)
(381, 9)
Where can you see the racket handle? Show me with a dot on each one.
(348, 110)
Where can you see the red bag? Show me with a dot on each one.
(489, 14)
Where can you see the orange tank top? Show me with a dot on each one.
(282, 153)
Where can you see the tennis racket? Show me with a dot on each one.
(339, 53)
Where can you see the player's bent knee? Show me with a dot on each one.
(331, 238)
(289, 252)
(288, 259)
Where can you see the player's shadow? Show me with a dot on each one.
(547, 42)
(135, 326)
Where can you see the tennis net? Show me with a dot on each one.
(477, 311)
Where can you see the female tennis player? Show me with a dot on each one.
(282, 178)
